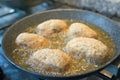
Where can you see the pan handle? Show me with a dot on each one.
(112, 72)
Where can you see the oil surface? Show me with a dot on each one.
(59, 41)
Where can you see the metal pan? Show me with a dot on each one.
(92, 18)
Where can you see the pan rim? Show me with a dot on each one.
(59, 76)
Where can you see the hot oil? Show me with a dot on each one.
(59, 41)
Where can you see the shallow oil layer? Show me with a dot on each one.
(20, 56)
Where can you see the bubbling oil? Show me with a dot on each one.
(58, 41)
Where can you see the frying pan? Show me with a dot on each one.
(70, 14)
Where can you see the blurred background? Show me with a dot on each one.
(13, 10)
(16, 9)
